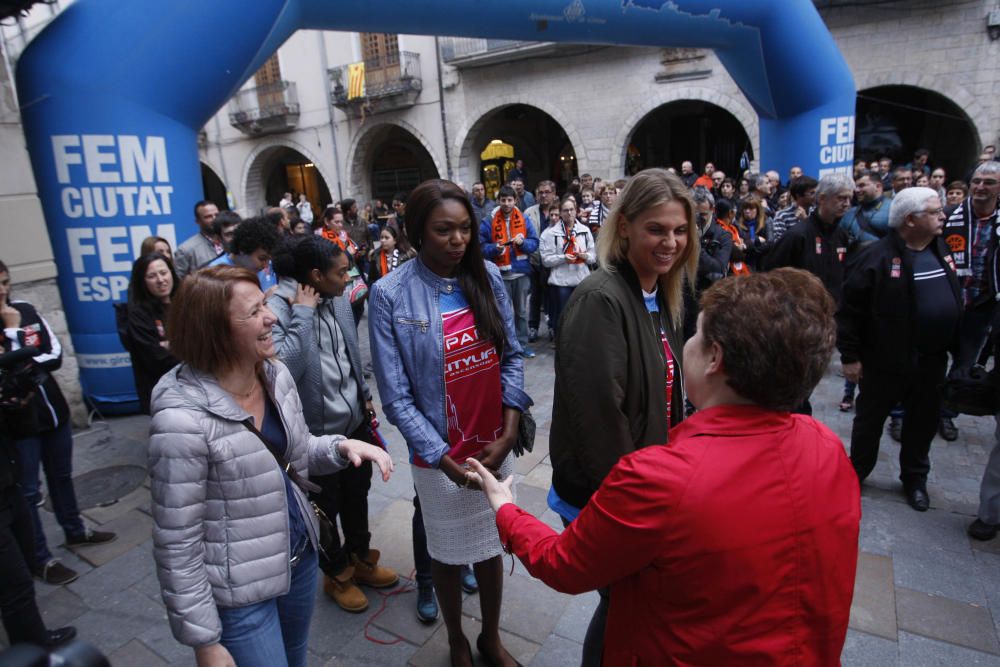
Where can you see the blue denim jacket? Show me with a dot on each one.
(407, 344)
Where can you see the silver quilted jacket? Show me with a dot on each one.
(220, 509)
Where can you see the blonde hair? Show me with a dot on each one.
(647, 189)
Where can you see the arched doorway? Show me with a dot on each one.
(537, 138)
(280, 169)
(688, 130)
(397, 162)
(894, 121)
(214, 188)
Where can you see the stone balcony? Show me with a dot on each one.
(390, 83)
(265, 109)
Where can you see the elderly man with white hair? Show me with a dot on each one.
(898, 320)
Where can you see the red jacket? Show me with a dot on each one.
(734, 545)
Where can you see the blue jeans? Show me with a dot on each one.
(518, 290)
(558, 298)
(53, 451)
(275, 632)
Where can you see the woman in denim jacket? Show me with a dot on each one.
(450, 376)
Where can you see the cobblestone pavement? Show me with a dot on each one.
(926, 594)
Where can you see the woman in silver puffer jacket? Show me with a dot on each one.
(235, 537)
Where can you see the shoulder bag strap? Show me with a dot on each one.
(304, 484)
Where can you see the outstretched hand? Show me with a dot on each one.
(357, 452)
(497, 493)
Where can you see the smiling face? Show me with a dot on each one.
(158, 280)
(250, 321)
(656, 240)
(445, 237)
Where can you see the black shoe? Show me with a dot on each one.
(980, 530)
(469, 583)
(896, 428)
(90, 537)
(56, 573)
(918, 499)
(947, 429)
(533, 335)
(59, 636)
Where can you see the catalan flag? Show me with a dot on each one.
(356, 80)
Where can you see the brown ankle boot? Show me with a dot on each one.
(342, 590)
(368, 572)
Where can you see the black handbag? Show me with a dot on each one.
(525, 434)
(325, 524)
(972, 391)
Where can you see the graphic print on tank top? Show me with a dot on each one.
(473, 398)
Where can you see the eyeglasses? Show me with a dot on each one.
(984, 181)
(934, 211)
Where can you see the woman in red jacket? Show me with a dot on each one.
(736, 544)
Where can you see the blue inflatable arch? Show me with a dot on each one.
(113, 94)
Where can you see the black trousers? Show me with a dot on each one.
(920, 394)
(344, 494)
(21, 618)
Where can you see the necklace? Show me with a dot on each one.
(243, 395)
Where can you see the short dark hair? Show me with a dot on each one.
(921, 152)
(202, 305)
(776, 331)
(225, 219)
(3, 267)
(138, 294)
(203, 202)
(253, 234)
(802, 185)
(900, 170)
(401, 196)
(346, 204)
(722, 208)
(506, 191)
(297, 256)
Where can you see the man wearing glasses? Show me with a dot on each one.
(970, 232)
(898, 320)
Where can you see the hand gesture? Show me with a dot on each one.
(356, 452)
(497, 493)
(213, 655)
(519, 239)
(305, 295)
(11, 316)
(493, 454)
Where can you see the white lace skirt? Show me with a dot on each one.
(460, 525)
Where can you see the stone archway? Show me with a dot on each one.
(467, 149)
(738, 107)
(895, 119)
(265, 158)
(361, 156)
(978, 114)
(214, 187)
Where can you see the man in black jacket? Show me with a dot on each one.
(898, 319)
(818, 244)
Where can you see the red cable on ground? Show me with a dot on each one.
(409, 588)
